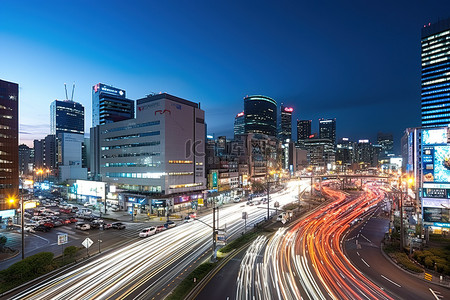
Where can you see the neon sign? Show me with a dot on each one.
(288, 109)
(240, 114)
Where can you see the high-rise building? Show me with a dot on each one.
(285, 132)
(160, 152)
(239, 124)
(435, 74)
(260, 115)
(9, 145)
(109, 104)
(303, 130)
(45, 156)
(66, 116)
(345, 154)
(26, 159)
(320, 153)
(386, 141)
(327, 129)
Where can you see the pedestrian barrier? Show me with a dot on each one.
(428, 276)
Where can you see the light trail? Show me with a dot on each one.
(149, 264)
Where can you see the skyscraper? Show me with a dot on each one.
(285, 132)
(327, 129)
(435, 74)
(260, 115)
(9, 145)
(303, 130)
(386, 141)
(110, 104)
(66, 116)
(239, 124)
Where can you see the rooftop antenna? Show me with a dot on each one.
(73, 89)
(65, 87)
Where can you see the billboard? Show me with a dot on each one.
(434, 136)
(90, 188)
(436, 163)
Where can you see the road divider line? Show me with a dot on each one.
(391, 281)
(365, 262)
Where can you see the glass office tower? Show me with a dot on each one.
(66, 116)
(436, 74)
(260, 115)
(109, 105)
(285, 124)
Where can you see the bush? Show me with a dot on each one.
(28, 269)
(403, 259)
(428, 262)
(3, 240)
(70, 251)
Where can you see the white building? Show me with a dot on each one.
(69, 156)
(160, 152)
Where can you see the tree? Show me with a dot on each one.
(3, 241)
(257, 187)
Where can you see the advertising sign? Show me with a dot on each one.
(62, 238)
(214, 180)
(434, 136)
(90, 188)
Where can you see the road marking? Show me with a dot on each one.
(366, 239)
(357, 253)
(365, 262)
(435, 294)
(391, 281)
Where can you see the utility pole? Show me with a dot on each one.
(268, 198)
(22, 223)
(401, 215)
(214, 232)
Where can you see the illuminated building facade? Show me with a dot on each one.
(66, 116)
(160, 152)
(436, 74)
(327, 129)
(260, 115)
(239, 124)
(109, 104)
(285, 132)
(9, 145)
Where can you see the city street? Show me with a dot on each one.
(144, 268)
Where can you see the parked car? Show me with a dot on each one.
(28, 228)
(73, 220)
(237, 200)
(107, 226)
(114, 208)
(57, 223)
(83, 226)
(118, 225)
(66, 221)
(49, 224)
(147, 232)
(160, 228)
(170, 224)
(42, 228)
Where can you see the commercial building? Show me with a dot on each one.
(345, 154)
(303, 132)
(386, 141)
(239, 124)
(435, 75)
(320, 153)
(327, 129)
(45, 155)
(26, 159)
(260, 115)
(66, 116)
(285, 132)
(9, 145)
(160, 154)
(109, 104)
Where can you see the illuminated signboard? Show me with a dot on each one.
(214, 180)
(108, 89)
(436, 164)
(288, 109)
(434, 136)
(240, 114)
(90, 188)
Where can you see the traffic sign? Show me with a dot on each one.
(62, 238)
(428, 276)
(87, 243)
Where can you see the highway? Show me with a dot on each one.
(307, 261)
(148, 268)
(331, 253)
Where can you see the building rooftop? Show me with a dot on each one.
(156, 97)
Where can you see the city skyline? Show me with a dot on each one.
(214, 60)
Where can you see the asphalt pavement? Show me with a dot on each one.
(363, 248)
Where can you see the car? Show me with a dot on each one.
(118, 225)
(160, 228)
(73, 220)
(49, 224)
(147, 231)
(114, 208)
(42, 228)
(170, 224)
(57, 223)
(237, 200)
(188, 219)
(83, 226)
(107, 226)
(28, 228)
(66, 221)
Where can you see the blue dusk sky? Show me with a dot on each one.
(356, 61)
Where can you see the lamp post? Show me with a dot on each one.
(23, 225)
